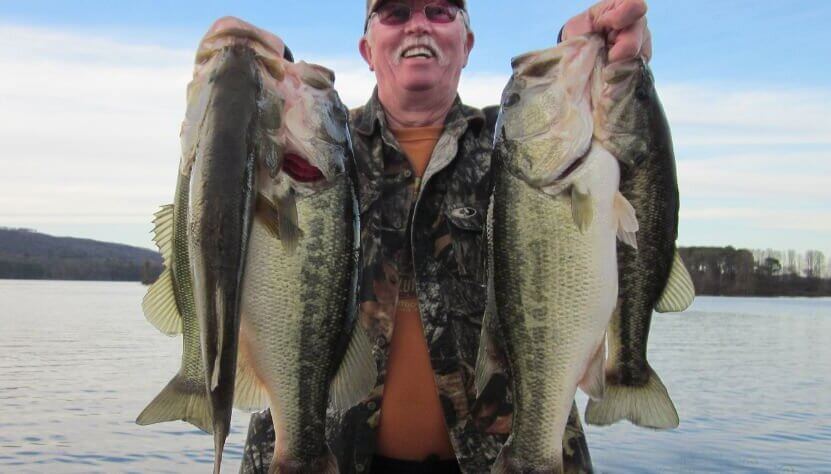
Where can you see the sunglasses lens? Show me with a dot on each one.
(439, 14)
(393, 14)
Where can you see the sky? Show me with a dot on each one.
(92, 96)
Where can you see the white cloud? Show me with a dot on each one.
(715, 115)
(761, 218)
(800, 177)
(89, 134)
(88, 126)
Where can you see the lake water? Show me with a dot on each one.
(78, 362)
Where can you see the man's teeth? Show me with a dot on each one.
(418, 51)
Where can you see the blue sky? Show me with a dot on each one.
(93, 93)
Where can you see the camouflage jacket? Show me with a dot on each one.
(428, 234)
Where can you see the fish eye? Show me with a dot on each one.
(512, 99)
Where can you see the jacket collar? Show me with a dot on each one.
(371, 116)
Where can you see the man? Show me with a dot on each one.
(423, 163)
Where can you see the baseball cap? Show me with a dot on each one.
(371, 5)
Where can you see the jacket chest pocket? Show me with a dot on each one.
(466, 223)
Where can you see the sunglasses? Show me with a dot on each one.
(397, 14)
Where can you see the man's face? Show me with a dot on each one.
(419, 55)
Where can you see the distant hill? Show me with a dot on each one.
(27, 254)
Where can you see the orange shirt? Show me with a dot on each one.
(412, 424)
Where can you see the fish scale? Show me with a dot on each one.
(632, 124)
(548, 285)
(296, 301)
(263, 258)
(554, 219)
(185, 397)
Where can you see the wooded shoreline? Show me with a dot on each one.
(726, 271)
(716, 271)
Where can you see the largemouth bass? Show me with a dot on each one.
(554, 219)
(169, 306)
(630, 122)
(299, 293)
(271, 231)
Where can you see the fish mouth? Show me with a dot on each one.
(572, 168)
(300, 169)
(568, 174)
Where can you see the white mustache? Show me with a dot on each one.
(425, 41)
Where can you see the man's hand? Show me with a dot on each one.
(230, 26)
(622, 22)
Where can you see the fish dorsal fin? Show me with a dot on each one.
(159, 304)
(163, 232)
(582, 207)
(357, 373)
(627, 221)
(593, 382)
(679, 293)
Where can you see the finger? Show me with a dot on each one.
(646, 49)
(238, 27)
(628, 42)
(617, 14)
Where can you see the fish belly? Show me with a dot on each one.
(294, 315)
(555, 291)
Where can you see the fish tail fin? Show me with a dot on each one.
(627, 227)
(325, 464)
(509, 462)
(648, 405)
(179, 401)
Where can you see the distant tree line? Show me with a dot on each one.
(26, 254)
(740, 272)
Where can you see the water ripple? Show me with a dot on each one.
(743, 373)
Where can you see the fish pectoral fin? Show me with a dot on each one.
(627, 221)
(280, 219)
(159, 305)
(486, 363)
(290, 233)
(679, 292)
(357, 373)
(582, 207)
(267, 214)
(593, 382)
